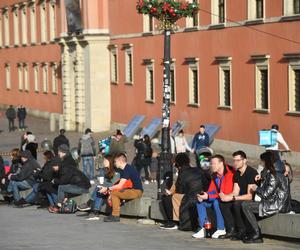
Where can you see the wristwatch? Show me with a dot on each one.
(233, 198)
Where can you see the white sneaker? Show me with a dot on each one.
(200, 234)
(92, 182)
(93, 218)
(218, 233)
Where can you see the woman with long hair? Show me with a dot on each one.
(97, 199)
(271, 196)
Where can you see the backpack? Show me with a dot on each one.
(86, 147)
(69, 207)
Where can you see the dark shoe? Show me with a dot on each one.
(255, 238)
(20, 203)
(169, 226)
(86, 206)
(53, 209)
(230, 233)
(238, 236)
(112, 218)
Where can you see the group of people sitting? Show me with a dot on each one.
(235, 193)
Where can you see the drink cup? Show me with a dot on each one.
(100, 180)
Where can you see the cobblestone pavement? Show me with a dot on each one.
(41, 128)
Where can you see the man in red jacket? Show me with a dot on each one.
(221, 182)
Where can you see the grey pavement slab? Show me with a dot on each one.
(35, 229)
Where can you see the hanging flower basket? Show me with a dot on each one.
(167, 11)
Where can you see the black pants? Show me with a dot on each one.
(232, 213)
(11, 124)
(166, 207)
(146, 170)
(250, 208)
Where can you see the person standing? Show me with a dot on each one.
(181, 144)
(21, 113)
(117, 143)
(200, 140)
(60, 140)
(87, 151)
(11, 116)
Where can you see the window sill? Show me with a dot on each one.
(36, 91)
(128, 83)
(149, 101)
(46, 93)
(216, 26)
(262, 111)
(290, 18)
(8, 89)
(16, 45)
(173, 103)
(193, 105)
(148, 33)
(255, 21)
(114, 83)
(24, 45)
(293, 113)
(228, 108)
(191, 29)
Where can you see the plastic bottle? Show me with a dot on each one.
(208, 229)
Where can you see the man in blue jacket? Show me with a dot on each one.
(200, 140)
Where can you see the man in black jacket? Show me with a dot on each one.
(21, 116)
(65, 156)
(11, 116)
(60, 140)
(70, 180)
(23, 179)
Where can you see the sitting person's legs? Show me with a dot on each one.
(16, 186)
(166, 206)
(71, 189)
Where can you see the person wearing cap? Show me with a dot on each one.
(64, 154)
(32, 145)
(70, 180)
(87, 151)
(59, 140)
(23, 179)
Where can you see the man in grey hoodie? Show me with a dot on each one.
(87, 151)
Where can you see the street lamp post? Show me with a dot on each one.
(167, 12)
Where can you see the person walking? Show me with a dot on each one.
(11, 116)
(21, 113)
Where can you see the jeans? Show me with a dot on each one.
(52, 198)
(70, 189)
(98, 199)
(33, 195)
(21, 123)
(15, 186)
(202, 214)
(88, 161)
(11, 124)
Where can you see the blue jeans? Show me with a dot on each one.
(16, 186)
(33, 195)
(202, 215)
(70, 189)
(52, 198)
(88, 162)
(98, 199)
(21, 123)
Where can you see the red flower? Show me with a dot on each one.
(153, 10)
(166, 6)
(141, 4)
(184, 6)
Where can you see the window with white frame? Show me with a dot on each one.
(45, 77)
(291, 7)
(262, 87)
(1, 33)
(150, 85)
(54, 78)
(43, 21)
(20, 76)
(256, 9)
(26, 77)
(6, 27)
(24, 24)
(148, 23)
(16, 24)
(194, 20)
(36, 77)
(294, 82)
(7, 76)
(193, 81)
(52, 19)
(225, 85)
(114, 64)
(218, 8)
(128, 64)
(32, 22)
(172, 82)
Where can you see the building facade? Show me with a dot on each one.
(236, 64)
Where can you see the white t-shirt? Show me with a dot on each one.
(181, 144)
(279, 140)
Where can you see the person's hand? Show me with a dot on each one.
(257, 178)
(203, 196)
(9, 176)
(225, 197)
(253, 188)
(168, 192)
(103, 190)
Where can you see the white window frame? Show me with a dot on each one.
(15, 11)
(149, 68)
(252, 15)
(148, 22)
(224, 65)
(6, 27)
(52, 19)
(193, 65)
(26, 76)
(45, 78)
(7, 76)
(36, 77)
(128, 62)
(32, 8)
(43, 16)
(54, 83)
(189, 21)
(215, 12)
(288, 8)
(24, 24)
(20, 76)
(114, 68)
(1, 30)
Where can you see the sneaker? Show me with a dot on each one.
(200, 234)
(169, 226)
(20, 203)
(218, 233)
(94, 216)
(112, 218)
(146, 182)
(84, 207)
(53, 209)
(92, 182)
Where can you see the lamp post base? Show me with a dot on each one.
(164, 173)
